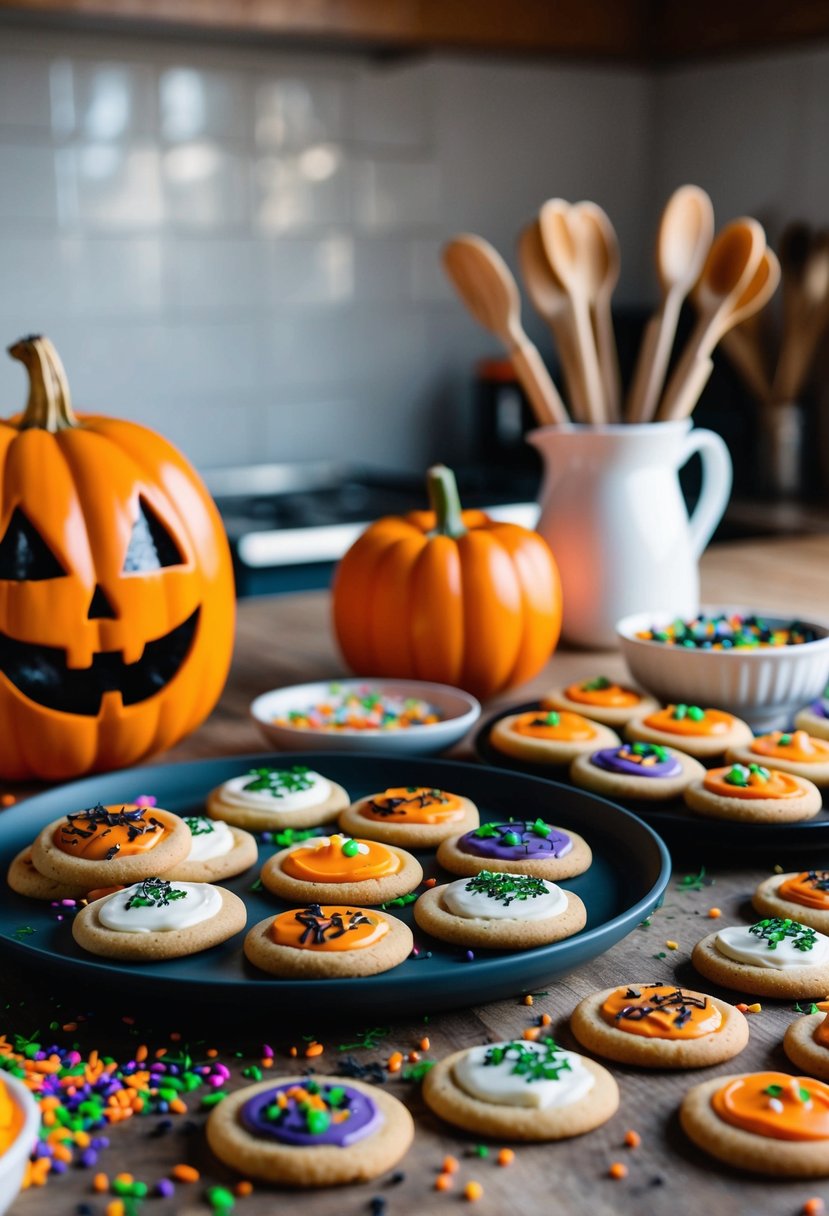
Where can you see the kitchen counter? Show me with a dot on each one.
(287, 640)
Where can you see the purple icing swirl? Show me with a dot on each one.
(820, 708)
(614, 760)
(292, 1127)
(531, 844)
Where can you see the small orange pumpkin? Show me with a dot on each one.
(116, 587)
(448, 595)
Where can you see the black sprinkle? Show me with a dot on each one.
(377, 1205)
(350, 1066)
(657, 1180)
(161, 1128)
(396, 1179)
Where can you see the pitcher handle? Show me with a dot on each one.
(716, 485)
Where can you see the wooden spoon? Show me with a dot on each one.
(682, 245)
(485, 284)
(755, 296)
(567, 258)
(598, 240)
(552, 302)
(732, 262)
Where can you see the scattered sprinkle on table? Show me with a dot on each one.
(362, 708)
(734, 632)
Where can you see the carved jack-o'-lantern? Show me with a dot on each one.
(116, 587)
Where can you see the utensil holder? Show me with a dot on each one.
(781, 449)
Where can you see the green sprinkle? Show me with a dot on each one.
(317, 1121)
(221, 1199)
(540, 828)
(213, 1099)
(695, 882)
(695, 713)
(738, 775)
(199, 825)
(335, 1095)
(785, 740)
(155, 893)
(773, 1091)
(481, 1150)
(552, 718)
(253, 1072)
(805, 1096)
(280, 781)
(598, 685)
(511, 838)
(367, 1039)
(680, 712)
(350, 848)
(416, 1072)
(504, 888)
(527, 1061)
(257, 885)
(775, 929)
(486, 831)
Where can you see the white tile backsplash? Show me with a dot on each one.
(27, 186)
(24, 92)
(212, 274)
(392, 108)
(309, 271)
(391, 194)
(112, 101)
(296, 112)
(198, 104)
(290, 196)
(206, 186)
(111, 186)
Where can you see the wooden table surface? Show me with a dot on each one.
(286, 640)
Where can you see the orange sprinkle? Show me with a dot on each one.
(243, 1188)
(528, 1000)
(266, 1062)
(450, 1165)
(314, 1049)
(292, 1051)
(211, 1055)
(395, 1061)
(743, 1008)
(127, 1179)
(70, 1026)
(100, 1184)
(545, 1019)
(141, 1054)
(714, 913)
(505, 1156)
(413, 1057)
(755, 1008)
(178, 1107)
(185, 1173)
(425, 1043)
(115, 1208)
(443, 1182)
(473, 1191)
(160, 1053)
(618, 1170)
(430, 882)
(632, 1139)
(175, 1036)
(813, 1207)
(7, 800)
(531, 1033)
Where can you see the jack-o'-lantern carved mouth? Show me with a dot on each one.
(41, 673)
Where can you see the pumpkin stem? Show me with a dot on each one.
(445, 501)
(49, 405)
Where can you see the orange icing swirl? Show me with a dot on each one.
(778, 785)
(713, 722)
(821, 1035)
(413, 804)
(11, 1119)
(602, 693)
(332, 859)
(775, 1105)
(327, 928)
(810, 889)
(554, 724)
(104, 832)
(798, 745)
(662, 1011)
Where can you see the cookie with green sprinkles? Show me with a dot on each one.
(700, 732)
(753, 793)
(340, 869)
(518, 846)
(217, 851)
(602, 699)
(550, 736)
(310, 1131)
(775, 957)
(650, 772)
(270, 798)
(501, 911)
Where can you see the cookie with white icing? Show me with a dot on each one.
(271, 798)
(217, 851)
(325, 940)
(520, 846)
(774, 957)
(659, 1026)
(413, 816)
(157, 919)
(550, 736)
(802, 896)
(106, 846)
(501, 911)
(339, 869)
(601, 699)
(703, 733)
(521, 1090)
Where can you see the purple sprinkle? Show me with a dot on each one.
(267, 1052)
(470, 955)
(89, 1158)
(100, 1142)
(165, 1188)
(59, 1167)
(42, 1149)
(68, 903)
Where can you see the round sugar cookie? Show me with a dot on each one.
(108, 846)
(752, 793)
(317, 1149)
(813, 719)
(157, 919)
(270, 798)
(802, 896)
(553, 737)
(324, 941)
(645, 771)
(659, 1026)
(25, 879)
(217, 851)
(806, 1043)
(521, 846)
(500, 911)
(601, 699)
(766, 959)
(794, 752)
(702, 733)
(341, 870)
(491, 1099)
(414, 817)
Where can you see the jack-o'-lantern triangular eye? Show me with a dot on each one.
(24, 554)
(151, 546)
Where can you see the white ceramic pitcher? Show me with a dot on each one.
(613, 513)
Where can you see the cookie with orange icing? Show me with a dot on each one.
(753, 793)
(766, 1122)
(602, 699)
(659, 1026)
(703, 733)
(550, 736)
(801, 895)
(806, 1041)
(324, 940)
(646, 771)
(340, 870)
(107, 846)
(414, 816)
(795, 752)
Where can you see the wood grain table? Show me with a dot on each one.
(287, 640)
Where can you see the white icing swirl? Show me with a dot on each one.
(213, 838)
(235, 794)
(497, 1083)
(201, 901)
(737, 944)
(480, 906)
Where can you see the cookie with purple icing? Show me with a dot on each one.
(647, 771)
(520, 846)
(310, 1131)
(814, 718)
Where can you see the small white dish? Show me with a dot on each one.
(459, 711)
(765, 686)
(13, 1161)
